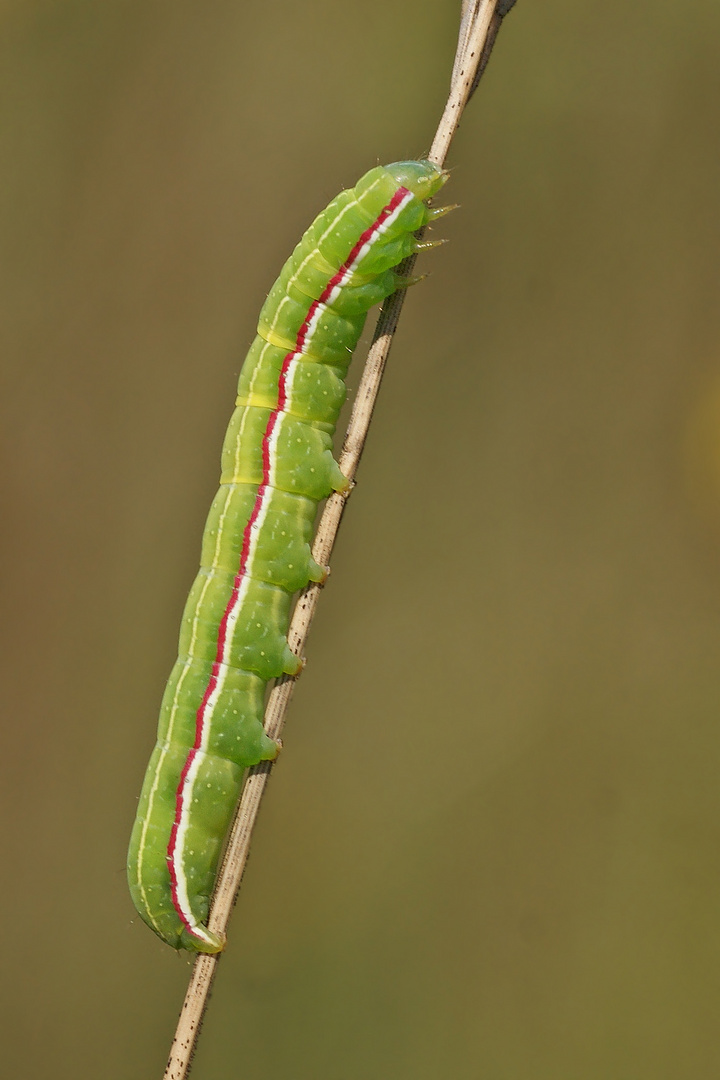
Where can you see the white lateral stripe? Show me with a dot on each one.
(308, 258)
(320, 310)
(187, 793)
(350, 269)
(188, 788)
(173, 713)
(185, 672)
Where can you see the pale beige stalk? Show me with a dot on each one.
(475, 30)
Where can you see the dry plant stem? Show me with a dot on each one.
(478, 27)
(475, 25)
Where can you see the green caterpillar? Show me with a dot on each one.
(277, 464)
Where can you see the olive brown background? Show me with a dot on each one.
(491, 847)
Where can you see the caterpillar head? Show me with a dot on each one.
(423, 178)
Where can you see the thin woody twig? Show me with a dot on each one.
(480, 20)
(466, 16)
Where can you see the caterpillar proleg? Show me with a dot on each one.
(277, 464)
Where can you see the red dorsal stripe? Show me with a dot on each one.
(201, 716)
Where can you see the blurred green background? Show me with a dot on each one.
(491, 848)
